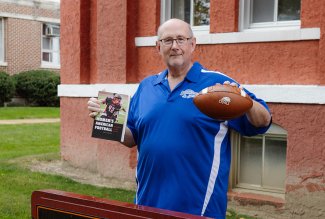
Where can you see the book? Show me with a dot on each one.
(110, 123)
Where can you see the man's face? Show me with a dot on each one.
(176, 55)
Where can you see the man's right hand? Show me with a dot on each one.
(93, 107)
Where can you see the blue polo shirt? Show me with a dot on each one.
(183, 155)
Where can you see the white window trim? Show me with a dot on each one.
(166, 14)
(245, 15)
(49, 66)
(274, 25)
(2, 52)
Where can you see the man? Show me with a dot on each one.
(183, 155)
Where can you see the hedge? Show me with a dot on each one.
(38, 87)
(7, 88)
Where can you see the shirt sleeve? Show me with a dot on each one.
(242, 124)
(132, 115)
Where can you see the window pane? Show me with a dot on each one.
(56, 44)
(263, 11)
(288, 10)
(46, 56)
(46, 43)
(274, 163)
(201, 12)
(56, 58)
(181, 9)
(250, 170)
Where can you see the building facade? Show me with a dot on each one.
(275, 49)
(29, 35)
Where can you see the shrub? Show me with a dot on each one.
(7, 88)
(38, 87)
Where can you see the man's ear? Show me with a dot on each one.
(193, 43)
(158, 46)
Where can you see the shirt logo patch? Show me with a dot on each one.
(188, 93)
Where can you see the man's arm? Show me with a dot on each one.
(128, 138)
(94, 108)
(258, 116)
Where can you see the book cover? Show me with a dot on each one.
(110, 123)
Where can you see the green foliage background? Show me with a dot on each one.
(7, 88)
(38, 87)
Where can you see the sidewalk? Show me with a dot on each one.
(28, 121)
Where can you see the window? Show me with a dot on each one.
(51, 45)
(2, 41)
(259, 162)
(195, 12)
(269, 13)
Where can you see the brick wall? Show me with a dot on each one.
(23, 45)
(23, 36)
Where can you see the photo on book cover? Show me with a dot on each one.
(110, 123)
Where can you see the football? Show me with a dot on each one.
(223, 102)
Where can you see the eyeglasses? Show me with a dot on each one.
(169, 41)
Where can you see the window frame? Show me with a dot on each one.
(274, 132)
(46, 64)
(245, 15)
(166, 14)
(2, 42)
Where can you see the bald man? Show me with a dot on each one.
(183, 155)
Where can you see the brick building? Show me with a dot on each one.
(275, 51)
(29, 35)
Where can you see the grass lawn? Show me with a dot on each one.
(29, 112)
(28, 139)
(17, 183)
